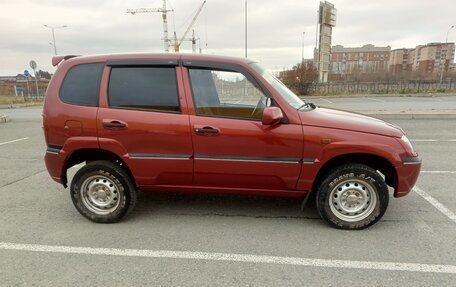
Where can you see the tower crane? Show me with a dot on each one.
(192, 39)
(166, 41)
(164, 12)
(177, 42)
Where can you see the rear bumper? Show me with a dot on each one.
(407, 175)
(54, 161)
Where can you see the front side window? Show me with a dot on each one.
(226, 94)
(293, 100)
(81, 85)
(144, 88)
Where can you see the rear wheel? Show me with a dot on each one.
(103, 192)
(352, 196)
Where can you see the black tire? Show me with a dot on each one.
(352, 196)
(105, 183)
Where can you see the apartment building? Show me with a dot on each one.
(426, 59)
(434, 57)
(367, 59)
(401, 60)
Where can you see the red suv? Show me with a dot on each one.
(172, 122)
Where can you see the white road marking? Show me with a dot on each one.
(377, 100)
(439, 171)
(443, 209)
(214, 256)
(328, 101)
(21, 139)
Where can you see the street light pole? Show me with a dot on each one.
(442, 61)
(53, 41)
(245, 11)
(53, 35)
(302, 50)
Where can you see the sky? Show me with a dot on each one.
(275, 28)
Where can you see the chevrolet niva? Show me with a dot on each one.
(196, 123)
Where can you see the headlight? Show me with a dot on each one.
(407, 143)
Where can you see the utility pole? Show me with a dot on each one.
(302, 51)
(53, 35)
(164, 12)
(442, 61)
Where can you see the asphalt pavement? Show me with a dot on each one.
(425, 106)
(214, 240)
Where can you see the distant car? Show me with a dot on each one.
(174, 122)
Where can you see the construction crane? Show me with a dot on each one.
(166, 41)
(177, 43)
(193, 39)
(164, 12)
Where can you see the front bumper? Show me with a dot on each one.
(407, 175)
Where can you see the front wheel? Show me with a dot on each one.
(352, 196)
(103, 192)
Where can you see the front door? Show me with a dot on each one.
(232, 148)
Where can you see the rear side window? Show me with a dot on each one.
(81, 85)
(144, 88)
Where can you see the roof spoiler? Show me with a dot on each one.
(57, 59)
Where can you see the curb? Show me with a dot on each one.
(4, 119)
(411, 116)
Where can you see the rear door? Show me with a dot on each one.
(232, 148)
(142, 119)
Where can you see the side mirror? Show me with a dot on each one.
(272, 116)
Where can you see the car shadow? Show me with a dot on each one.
(221, 205)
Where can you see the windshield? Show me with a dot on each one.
(286, 94)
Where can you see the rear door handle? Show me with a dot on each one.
(114, 124)
(206, 130)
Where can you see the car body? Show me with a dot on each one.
(187, 139)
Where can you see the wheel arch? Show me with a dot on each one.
(378, 163)
(92, 154)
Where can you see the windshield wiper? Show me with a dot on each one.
(307, 105)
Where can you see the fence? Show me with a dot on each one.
(331, 88)
(22, 91)
(30, 94)
(387, 87)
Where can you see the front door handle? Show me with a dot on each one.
(206, 130)
(114, 124)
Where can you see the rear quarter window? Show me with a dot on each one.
(81, 85)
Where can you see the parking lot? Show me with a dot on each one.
(207, 240)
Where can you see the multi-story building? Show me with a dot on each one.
(428, 59)
(367, 59)
(401, 60)
(434, 57)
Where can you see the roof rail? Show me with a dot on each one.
(57, 59)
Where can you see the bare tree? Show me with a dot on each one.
(300, 78)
